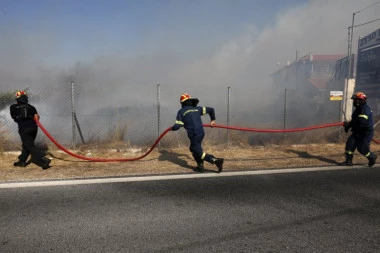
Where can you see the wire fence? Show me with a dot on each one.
(76, 114)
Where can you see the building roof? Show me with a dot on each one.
(322, 57)
(312, 57)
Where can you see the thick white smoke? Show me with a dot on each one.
(243, 59)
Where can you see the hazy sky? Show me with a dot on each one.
(81, 30)
(119, 50)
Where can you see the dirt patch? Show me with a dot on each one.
(174, 161)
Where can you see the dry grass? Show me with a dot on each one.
(175, 160)
(245, 152)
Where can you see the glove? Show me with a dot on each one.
(346, 126)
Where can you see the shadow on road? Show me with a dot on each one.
(175, 158)
(179, 159)
(306, 155)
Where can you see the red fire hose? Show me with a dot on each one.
(169, 129)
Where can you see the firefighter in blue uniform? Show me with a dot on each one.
(361, 125)
(23, 114)
(189, 117)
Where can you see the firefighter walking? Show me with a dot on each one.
(361, 125)
(189, 117)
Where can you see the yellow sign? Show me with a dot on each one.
(336, 95)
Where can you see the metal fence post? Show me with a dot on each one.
(73, 113)
(285, 114)
(228, 114)
(339, 120)
(158, 112)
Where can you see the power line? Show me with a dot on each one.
(368, 7)
(369, 22)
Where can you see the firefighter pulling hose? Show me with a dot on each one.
(189, 117)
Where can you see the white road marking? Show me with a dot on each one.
(164, 177)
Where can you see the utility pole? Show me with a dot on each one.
(349, 63)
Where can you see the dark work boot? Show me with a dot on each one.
(348, 161)
(372, 160)
(219, 163)
(20, 164)
(45, 163)
(200, 167)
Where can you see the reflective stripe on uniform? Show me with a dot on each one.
(194, 110)
(203, 155)
(349, 152)
(179, 122)
(363, 116)
(369, 153)
(203, 110)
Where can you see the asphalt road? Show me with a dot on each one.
(322, 211)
